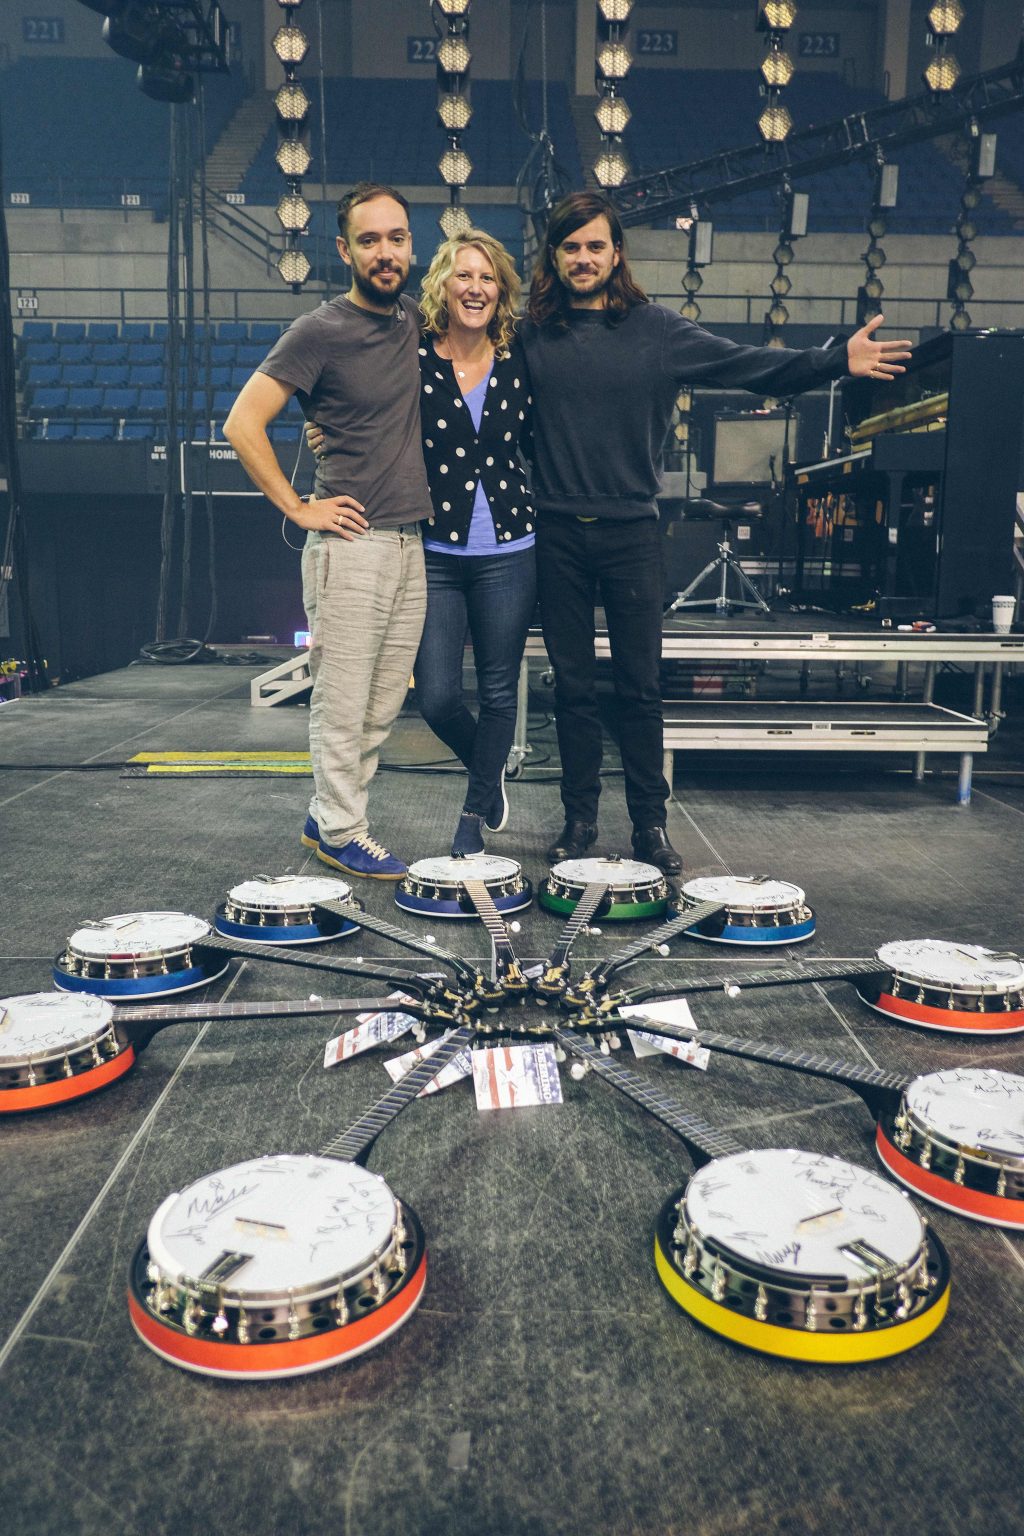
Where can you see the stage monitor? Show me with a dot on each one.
(745, 445)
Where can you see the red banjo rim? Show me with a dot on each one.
(282, 1357)
(49, 1095)
(951, 1019)
(996, 1210)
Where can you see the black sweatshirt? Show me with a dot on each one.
(603, 395)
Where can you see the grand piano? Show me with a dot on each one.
(917, 513)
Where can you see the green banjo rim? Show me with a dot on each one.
(619, 911)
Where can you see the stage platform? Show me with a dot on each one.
(547, 1384)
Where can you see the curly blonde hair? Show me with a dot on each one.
(434, 303)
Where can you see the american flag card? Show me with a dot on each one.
(509, 1076)
(459, 1067)
(370, 1029)
(645, 1044)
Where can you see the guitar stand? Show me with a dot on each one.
(724, 563)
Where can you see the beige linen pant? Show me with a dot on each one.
(365, 600)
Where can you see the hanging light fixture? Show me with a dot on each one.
(795, 207)
(943, 71)
(291, 45)
(451, 23)
(611, 166)
(883, 199)
(774, 19)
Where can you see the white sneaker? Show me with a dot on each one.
(496, 819)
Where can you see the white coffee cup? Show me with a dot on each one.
(1002, 614)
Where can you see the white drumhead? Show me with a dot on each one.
(973, 1107)
(968, 966)
(744, 893)
(310, 1223)
(606, 872)
(794, 1211)
(40, 1025)
(133, 935)
(476, 866)
(277, 893)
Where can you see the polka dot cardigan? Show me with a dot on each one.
(457, 457)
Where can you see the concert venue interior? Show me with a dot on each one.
(745, 1260)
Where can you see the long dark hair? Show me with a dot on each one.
(550, 300)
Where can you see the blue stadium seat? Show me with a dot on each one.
(77, 374)
(55, 431)
(152, 402)
(222, 352)
(232, 330)
(249, 356)
(48, 402)
(44, 375)
(223, 400)
(136, 431)
(265, 332)
(293, 408)
(70, 330)
(146, 375)
(159, 329)
(94, 431)
(112, 375)
(220, 378)
(136, 330)
(41, 352)
(37, 330)
(110, 352)
(103, 330)
(285, 432)
(240, 376)
(85, 401)
(120, 402)
(145, 352)
(74, 352)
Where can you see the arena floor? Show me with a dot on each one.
(547, 1385)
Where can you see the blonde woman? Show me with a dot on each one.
(479, 541)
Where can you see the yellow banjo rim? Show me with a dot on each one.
(795, 1344)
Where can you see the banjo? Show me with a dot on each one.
(59, 1046)
(289, 1263)
(286, 909)
(788, 1252)
(955, 1137)
(752, 909)
(633, 890)
(437, 887)
(959, 988)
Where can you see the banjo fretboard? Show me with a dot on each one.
(675, 925)
(505, 957)
(879, 1084)
(245, 948)
(778, 976)
(703, 1140)
(584, 910)
(148, 1020)
(402, 936)
(353, 1145)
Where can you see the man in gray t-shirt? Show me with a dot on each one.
(354, 366)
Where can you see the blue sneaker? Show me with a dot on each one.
(310, 837)
(468, 835)
(496, 819)
(363, 856)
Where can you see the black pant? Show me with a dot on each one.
(625, 558)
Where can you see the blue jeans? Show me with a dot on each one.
(494, 597)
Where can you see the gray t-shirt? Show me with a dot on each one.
(357, 374)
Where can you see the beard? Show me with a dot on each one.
(368, 287)
(586, 284)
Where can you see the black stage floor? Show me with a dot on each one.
(547, 1383)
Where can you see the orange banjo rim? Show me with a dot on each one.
(997, 1210)
(48, 1095)
(951, 1019)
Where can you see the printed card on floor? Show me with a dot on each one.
(371, 1029)
(675, 1011)
(510, 1076)
(645, 1044)
(459, 1067)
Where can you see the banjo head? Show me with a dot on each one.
(798, 1254)
(756, 910)
(136, 955)
(937, 984)
(635, 890)
(958, 1140)
(275, 1267)
(285, 909)
(437, 887)
(55, 1046)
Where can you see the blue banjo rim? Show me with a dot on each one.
(113, 987)
(295, 933)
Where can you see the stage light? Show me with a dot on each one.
(289, 5)
(777, 68)
(138, 31)
(942, 73)
(970, 198)
(778, 315)
(292, 157)
(875, 258)
(945, 17)
(780, 285)
(961, 321)
(966, 260)
(455, 167)
(690, 310)
(291, 102)
(611, 168)
(874, 288)
(290, 44)
(613, 61)
(452, 7)
(168, 83)
(877, 227)
(782, 254)
(454, 221)
(961, 289)
(777, 15)
(774, 124)
(454, 111)
(681, 431)
(293, 212)
(613, 115)
(692, 281)
(615, 10)
(966, 229)
(293, 266)
(453, 56)
(684, 401)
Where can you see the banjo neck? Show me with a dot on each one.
(402, 936)
(139, 1025)
(353, 1145)
(703, 1141)
(244, 948)
(675, 925)
(584, 910)
(778, 976)
(879, 1090)
(509, 974)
